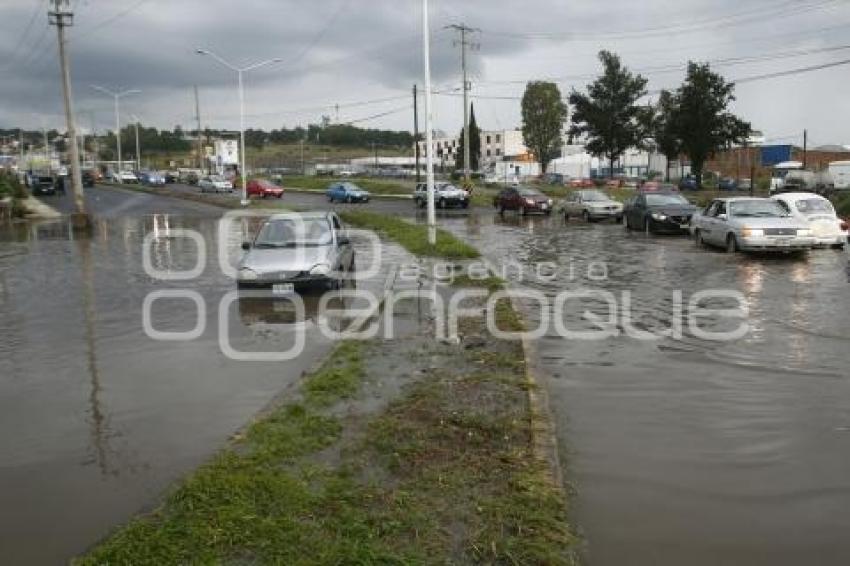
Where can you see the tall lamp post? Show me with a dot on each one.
(138, 147)
(117, 95)
(429, 124)
(240, 71)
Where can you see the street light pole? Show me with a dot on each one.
(138, 147)
(240, 71)
(117, 95)
(429, 126)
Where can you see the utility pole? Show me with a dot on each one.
(805, 147)
(375, 149)
(21, 149)
(303, 171)
(464, 43)
(416, 131)
(198, 118)
(429, 126)
(61, 16)
(95, 143)
(46, 150)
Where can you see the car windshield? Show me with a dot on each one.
(447, 187)
(757, 209)
(294, 232)
(595, 196)
(529, 193)
(350, 187)
(815, 206)
(216, 179)
(666, 200)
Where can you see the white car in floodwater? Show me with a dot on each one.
(215, 184)
(751, 225)
(816, 211)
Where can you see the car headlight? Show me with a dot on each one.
(752, 233)
(659, 216)
(246, 274)
(321, 269)
(549, 202)
(529, 201)
(804, 232)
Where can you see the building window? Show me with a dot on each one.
(498, 152)
(488, 140)
(488, 153)
(498, 138)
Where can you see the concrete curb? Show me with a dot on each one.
(544, 439)
(37, 210)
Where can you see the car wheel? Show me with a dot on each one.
(731, 244)
(280, 195)
(698, 239)
(349, 200)
(619, 219)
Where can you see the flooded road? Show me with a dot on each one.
(685, 450)
(96, 417)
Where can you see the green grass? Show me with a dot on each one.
(376, 187)
(412, 237)
(491, 283)
(444, 475)
(842, 204)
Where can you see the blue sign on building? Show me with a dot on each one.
(773, 154)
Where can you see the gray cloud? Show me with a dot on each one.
(341, 51)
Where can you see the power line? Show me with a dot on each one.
(38, 10)
(785, 9)
(398, 110)
(115, 17)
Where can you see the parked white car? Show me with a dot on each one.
(123, 177)
(819, 214)
(751, 224)
(215, 184)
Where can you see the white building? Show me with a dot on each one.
(496, 146)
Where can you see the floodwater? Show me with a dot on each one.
(97, 418)
(686, 450)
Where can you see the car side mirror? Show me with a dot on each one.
(344, 241)
(246, 246)
(722, 217)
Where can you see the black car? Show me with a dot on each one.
(88, 179)
(655, 212)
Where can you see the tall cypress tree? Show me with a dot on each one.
(474, 144)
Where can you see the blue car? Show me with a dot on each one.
(727, 184)
(688, 183)
(346, 192)
(151, 178)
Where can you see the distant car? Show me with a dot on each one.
(524, 200)
(89, 178)
(819, 214)
(263, 189)
(346, 173)
(688, 183)
(172, 177)
(151, 178)
(745, 184)
(582, 183)
(751, 224)
(445, 195)
(727, 184)
(346, 192)
(293, 251)
(659, 212)
(123, 177)
(555, 179)
(215, 184)
(592, 205)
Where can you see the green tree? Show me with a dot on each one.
(663, 128)
(543, 117)
(608, 116)
(474, 144)
(703, 122)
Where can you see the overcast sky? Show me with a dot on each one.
(365, 55)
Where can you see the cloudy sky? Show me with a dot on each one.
(365, 55)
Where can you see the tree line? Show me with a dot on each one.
(693, 120)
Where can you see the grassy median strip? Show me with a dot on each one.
(376, 187)
(440, 471)
(412, 237)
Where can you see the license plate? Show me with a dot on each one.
(684, 226)
(283, 288)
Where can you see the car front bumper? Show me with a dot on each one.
(768, 244)
(605, 214)
(679, 226)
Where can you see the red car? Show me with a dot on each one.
(262, 188)
(524, 201)
(582, 184)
